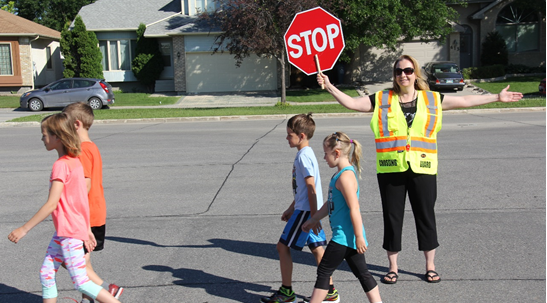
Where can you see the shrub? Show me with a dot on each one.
(484, 72)
(280, 104)
(148, 63)
(524, 69)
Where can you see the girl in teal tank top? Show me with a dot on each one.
(348, 233)
(339, 213)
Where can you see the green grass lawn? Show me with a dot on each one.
(526, 85)
(122, 99)
(316, 95)
(202, 112)
(141, 99)
(9, 101)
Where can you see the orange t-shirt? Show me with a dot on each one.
(93, 169)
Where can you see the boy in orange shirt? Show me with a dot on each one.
(82, 115)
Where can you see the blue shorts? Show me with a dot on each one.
(294, 237)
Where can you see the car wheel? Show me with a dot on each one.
(95, 103)
(35, 105)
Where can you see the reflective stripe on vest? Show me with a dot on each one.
(423, 145)
(432, 109)
(385, 109)
(390, 144)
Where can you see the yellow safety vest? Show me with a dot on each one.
(398, 146)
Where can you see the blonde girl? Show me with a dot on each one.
(348, 233)
(69, 208)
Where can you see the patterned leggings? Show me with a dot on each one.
(69, 251)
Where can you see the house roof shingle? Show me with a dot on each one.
(162, 17)
(120, 15)
(12, 25)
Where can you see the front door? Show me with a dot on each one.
(466, 47)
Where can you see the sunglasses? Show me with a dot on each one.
(408, 71)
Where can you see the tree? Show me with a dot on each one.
(69, 53)
(494, 50)
(81, 51)
(256, 27)
(8, 6)
(384, 23)
(148, 63)
(51, 13)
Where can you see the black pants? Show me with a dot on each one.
(333, 257)
(422, 194)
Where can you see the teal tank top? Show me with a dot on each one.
(340, 221)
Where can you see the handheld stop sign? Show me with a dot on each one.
(314, 41)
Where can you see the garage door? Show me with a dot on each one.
(374, 65)
(425, 52)
(217, 73)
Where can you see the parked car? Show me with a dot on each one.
(96, 92)
(541, 87)
(443, 75)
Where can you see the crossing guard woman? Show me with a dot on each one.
(405, 123)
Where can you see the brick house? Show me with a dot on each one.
(30, 54)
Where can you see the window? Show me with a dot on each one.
(125, 61)
(6, 66)
(113, 55)
(205, 5)
(64, 84)
(117, 54)
(83, 83)
(193, 7)
(49, 63)
(519, 26)
(104, 51)
(165, 48)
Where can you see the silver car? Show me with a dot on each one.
(96, 92)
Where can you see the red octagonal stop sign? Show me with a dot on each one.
(314, 32)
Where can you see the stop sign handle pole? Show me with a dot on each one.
(318, 68)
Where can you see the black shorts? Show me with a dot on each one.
(99, 233)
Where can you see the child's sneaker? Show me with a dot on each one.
(331, 297)
(115, 290)
(283, 295)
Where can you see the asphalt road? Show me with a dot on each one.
(194, 211)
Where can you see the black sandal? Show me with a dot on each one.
(431, 274)
(390, 275)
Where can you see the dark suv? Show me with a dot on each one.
(444, 75)
(96, 92)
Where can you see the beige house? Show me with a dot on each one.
(30, 54)
(189, 64)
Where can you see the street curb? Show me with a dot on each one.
(271, 117)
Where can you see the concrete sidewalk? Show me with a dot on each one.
(246, 99)
(228, 100)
